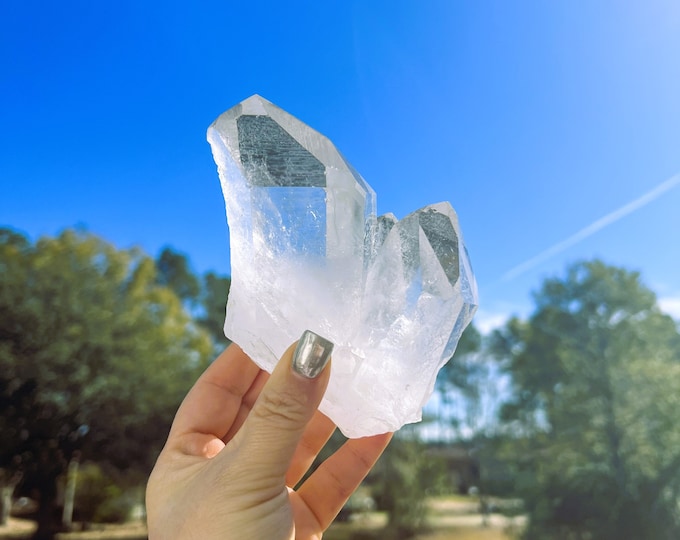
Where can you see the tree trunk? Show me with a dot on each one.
(47, 506)
(5, 503)
(70, 494)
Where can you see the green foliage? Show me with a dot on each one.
(215, 290)
(596, 371)
(175, 273)
(94, 355)
(206, 296)
(460, 382)
(98, 498)
(403, 477)
(501, 469)
(459, 372)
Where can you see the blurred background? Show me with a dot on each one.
(552, 128)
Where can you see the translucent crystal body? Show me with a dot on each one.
(309, 252)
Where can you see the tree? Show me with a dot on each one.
(457, 373)
(205, 296)
(175, 273)
(596, 374)
(465, 385)
(95, 357)
(402, 479)
(215, 290)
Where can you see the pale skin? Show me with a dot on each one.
(239, 443)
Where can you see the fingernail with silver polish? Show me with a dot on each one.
(312, 354)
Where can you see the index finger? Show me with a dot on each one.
(213, 403)
(326, 491)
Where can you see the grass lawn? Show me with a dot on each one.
(450, 518)
(467, 534)
(447, 522)
(347, 531)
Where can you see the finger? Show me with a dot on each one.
(213, 403)
(319, 430)
(286, 404)
(327, 490)
(249, 399)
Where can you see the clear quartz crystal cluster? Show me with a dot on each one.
(309, 252)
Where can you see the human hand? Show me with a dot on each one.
(241, 441)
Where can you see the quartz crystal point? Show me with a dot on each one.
(309, 252)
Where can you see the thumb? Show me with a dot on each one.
(286, 404)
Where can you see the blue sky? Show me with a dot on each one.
(536, 120)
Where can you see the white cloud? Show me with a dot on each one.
(486, 322)
(670, 305)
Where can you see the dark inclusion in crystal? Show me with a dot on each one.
(271, 157)
(444, 241)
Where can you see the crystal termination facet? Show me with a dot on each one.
(309, 252)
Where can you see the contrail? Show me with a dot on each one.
(592, 228)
